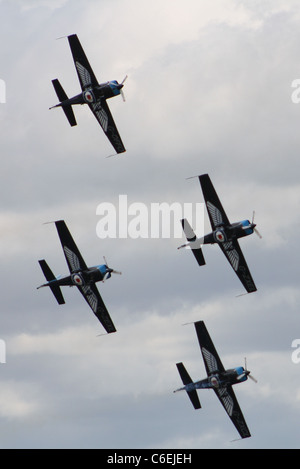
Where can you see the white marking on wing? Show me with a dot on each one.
(226, 400)
(84, 74)
(90, 297)
(210, 360)
(101, 115)
(72, 258)
(232, 255)
(215, 214)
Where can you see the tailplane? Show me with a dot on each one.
(186, 379)
(50, 276)
(193, 242)
(62, 96)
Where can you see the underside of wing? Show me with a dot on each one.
(230, 404)
(93, 298)
(216, 212)
(103, 115)
(84, 70)
(234, 254)
(211, 358)
(72, 254)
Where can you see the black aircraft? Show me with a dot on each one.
(82, 276)
(224, 233)
(218, 379)
(93, 94)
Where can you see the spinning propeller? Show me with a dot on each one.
(246, 373)
(121, 90)
(109, 270)
(254, 227)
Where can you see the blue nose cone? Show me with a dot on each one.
(105, 271)
(115, 87)
(242, 373)
(248, 227)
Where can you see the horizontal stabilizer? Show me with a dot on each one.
(46, 270)
(192, 238)
(186, 379)
(62, 96)
(188, 230)
(50, 276)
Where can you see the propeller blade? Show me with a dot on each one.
(110, 270)
(255, 229)
(258, 233)
(122, 92)
(253, 379)
(248, 372)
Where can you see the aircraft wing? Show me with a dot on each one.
(84, 70)
(72, 254)
(93, 298)
(229, 402)
(216, 212)
(234, 254)
(103, 115)
(211, 358)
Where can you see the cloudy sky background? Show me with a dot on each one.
(208, 91)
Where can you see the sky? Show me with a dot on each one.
(209, 90)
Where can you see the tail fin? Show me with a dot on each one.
(62, 96)
(50, 276)
(191, 237)
(186, 379)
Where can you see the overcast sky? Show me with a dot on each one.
(209, 90)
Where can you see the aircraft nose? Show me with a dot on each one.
(120, 86)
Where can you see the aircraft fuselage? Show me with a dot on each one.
(225, 233)
(218, 380)
(93, 94)
(83, 277)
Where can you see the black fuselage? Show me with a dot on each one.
(94, 94)
(227, 233)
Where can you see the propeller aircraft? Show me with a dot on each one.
(93, 94)
(218, 379)
(81, 276)
(224, 234)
